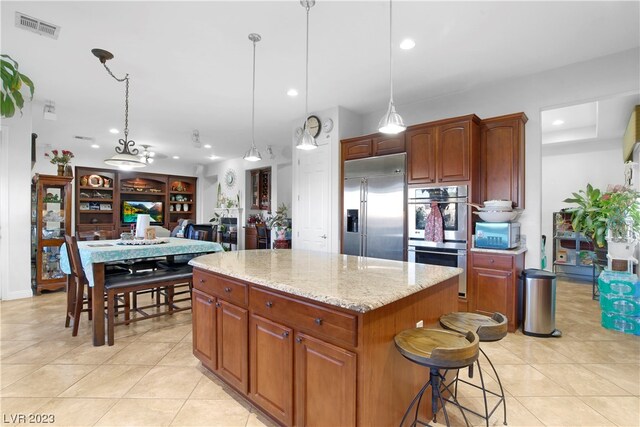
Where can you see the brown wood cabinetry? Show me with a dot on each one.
(100, 194)
(372, 145)
(328, 374)
(203, 312)
(272, 368)
(494, 285)
(311, 363)
(50, 221)
(261, 189)
(502, 159)
(442, 151)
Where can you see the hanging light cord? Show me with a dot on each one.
(390, 51)
(253, 101)
(126, 142)
(306, 87)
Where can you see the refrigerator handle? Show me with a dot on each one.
(365, 212)
(362, 218)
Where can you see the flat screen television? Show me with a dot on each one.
(131, 209)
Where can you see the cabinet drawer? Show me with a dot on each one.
(316, 320)
(228, 289)
(498, 262)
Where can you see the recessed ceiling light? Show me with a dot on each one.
(292, 92)
(176, 157)
(207, 145)
(114, 130)
(213, 157)
(407, 44)
(558, 122)
(95, 146)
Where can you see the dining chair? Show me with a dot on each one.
(263, 236)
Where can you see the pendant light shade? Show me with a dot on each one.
(306, 141)
(253, 155)
(127, 156)
(391, 122)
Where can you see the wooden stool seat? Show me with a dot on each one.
(438, 348)
(492, 328)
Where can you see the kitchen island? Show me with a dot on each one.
(308, 336)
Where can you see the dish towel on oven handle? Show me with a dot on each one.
(433, 230)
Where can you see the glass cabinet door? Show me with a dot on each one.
(53, 212)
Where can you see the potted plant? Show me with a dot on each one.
(280, 222)
(60, 159)
(611, 217)
(12, 83)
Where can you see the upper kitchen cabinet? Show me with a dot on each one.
(502, 159)
(372, 145)
(442, 151)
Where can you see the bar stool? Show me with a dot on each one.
(489, 329)
(436, 349)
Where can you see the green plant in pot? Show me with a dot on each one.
(612, 216)
(280, 222)
(12, 84)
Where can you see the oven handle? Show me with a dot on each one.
(461, 252)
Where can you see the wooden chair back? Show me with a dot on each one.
(96, 235)
(73, 253)
(199, 235)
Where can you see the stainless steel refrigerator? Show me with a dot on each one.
(374, 203)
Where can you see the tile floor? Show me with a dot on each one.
(589, 377)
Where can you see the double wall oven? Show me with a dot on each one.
(452, 251)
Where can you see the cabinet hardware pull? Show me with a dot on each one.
(209, 300)
(202, 280)
(491, 261)
(218, 304)
(318, 321)
(299, 340)
(285, 334)
(269, 304)
(227, 289)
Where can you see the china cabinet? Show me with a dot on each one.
(52, 220)
(261, 189)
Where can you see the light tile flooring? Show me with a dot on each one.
(589, 377)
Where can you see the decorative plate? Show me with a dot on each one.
(95, 181)
(141, 242)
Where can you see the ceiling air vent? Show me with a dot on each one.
(37, 26)
(83, 138)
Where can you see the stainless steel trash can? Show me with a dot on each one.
(539, 303)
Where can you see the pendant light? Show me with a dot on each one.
(306, 141)
(391, 122)
(125, 157)
(253, 155)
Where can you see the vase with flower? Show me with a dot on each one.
(60, 158)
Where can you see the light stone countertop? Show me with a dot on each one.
(514, 251)
(356, 283)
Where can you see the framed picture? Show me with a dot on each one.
(84, 206)
(105, 206)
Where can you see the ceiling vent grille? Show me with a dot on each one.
(37, 26)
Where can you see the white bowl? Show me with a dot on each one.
(495, 209)
(498, 216)
(498, 204)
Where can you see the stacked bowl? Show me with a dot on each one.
(498, 211)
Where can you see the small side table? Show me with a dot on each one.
(282, 244)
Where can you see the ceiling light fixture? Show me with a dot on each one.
(175, 157)
(114, 131)
(391, 122)
(95, 146)
(125, 156)
(558, 122)
(253, 155)
(207, 145)
(306, 141)
(407, 44)
(147, 155)
(292, 92)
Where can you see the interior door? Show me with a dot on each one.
(314, 200)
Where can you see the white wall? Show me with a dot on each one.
(15, 206)
(567, 169)
(598, 78)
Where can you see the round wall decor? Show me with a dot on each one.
(230, 178)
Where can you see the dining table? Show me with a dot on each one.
(95, 253)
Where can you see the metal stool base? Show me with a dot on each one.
(487, 414)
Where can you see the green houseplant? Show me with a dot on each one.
(613, 215)
(280, 222)
(12, 82)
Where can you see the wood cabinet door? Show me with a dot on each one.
(421, 155)
(271, 368)
(390, 144)
(357, 149)
(502, 160)
(204, 328)
(325, 383)
(453, 152)
(233, 344)
(491, 291)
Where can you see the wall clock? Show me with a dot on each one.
(313, 125)
(230, 178)
(327, 126)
